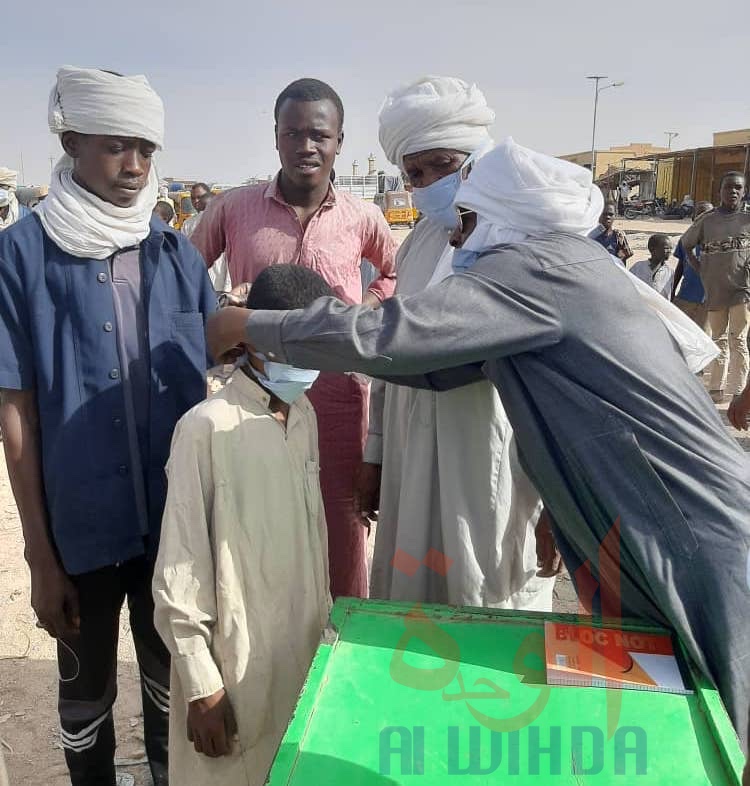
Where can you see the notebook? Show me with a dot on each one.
(589, 656)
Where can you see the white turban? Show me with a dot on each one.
(512, 187)
(8, 178)
(435, 111)
(518, 193)
(91, 101)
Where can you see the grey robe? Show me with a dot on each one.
(610, 424)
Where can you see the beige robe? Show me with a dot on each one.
(241, 580)
(219, 271)
(451, 481)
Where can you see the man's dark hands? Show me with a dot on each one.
(54, 599)
(367, 488)
(211, 724)
(225, 330)
(548, 558)
(739, 410)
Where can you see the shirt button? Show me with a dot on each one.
(101, 277)
(107, 327)
(117, 422)
(114, 374)
(123, 469)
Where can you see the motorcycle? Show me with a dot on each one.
(643, 207)
(677, 212)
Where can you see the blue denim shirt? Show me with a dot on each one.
(56, 337)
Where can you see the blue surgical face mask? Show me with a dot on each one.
(285, 382)
(463, 259)
(436, 200)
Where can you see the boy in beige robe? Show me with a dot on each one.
(241, 581)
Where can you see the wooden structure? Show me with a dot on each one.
(697, 172)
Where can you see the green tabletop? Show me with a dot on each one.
(399, 694)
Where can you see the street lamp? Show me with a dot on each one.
(598, 90)
(670, 136)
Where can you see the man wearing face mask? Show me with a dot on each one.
(451, 482)
(11, 210)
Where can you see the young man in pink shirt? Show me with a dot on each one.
(300, 218)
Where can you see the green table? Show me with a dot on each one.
(399, 694)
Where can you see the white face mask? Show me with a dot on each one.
(436, 200)
(284, 381)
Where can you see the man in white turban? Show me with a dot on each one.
(102, 350)
(648, 493)
(445, 463)
(10, 209)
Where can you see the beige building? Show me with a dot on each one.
(610, 160)
(728, 138)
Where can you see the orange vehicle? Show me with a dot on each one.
(183, 207)
(398, 208)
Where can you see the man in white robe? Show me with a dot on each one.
(457, 512)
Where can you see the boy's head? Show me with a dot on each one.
(286, 287)
(731, 190)
(164, 211)
(607, 218)
(283, 288)
(660, 247)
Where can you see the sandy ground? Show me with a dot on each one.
(638, 232)
(28, 722)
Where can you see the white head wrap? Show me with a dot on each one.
(518, 193)
(513, 187)
(435, 111)
(95, 102)
(92, 101)
(8, 178)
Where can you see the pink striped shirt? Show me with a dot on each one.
(255, 227)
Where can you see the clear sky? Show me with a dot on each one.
(219, 64)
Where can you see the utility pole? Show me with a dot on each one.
(597, 90)
(670, 136)
(596, 79)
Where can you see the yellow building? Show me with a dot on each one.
(610, 160)
(698, 171)
(727, 138)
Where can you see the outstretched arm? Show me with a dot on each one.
(503, 306)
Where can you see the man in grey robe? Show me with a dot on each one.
(615, 431)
